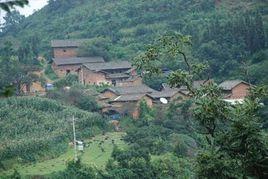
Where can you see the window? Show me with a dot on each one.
(114, 82)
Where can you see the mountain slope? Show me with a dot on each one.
(224, 32)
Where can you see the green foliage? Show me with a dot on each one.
(15, 175)
(16, 67)
(146, 113)
(34, 127)
(235, 146)
(49, 72)
(10, 4)
(75, 169)
(170, 166)
(154, 81)
(136, 163)
(68, 80)
(216, 164)
(75, 96)
(96, 47)
(223, 35)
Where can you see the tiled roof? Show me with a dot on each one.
(117, 75)
(68, 43)
(164, 93)
(133, 78)
(141, 89)
(77, 60)
(108, 66)
(198, 84)
(128, 97)
(230, 84)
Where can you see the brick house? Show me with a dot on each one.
(129, 104)
(63, 66)
(66, 48)
(125, 99)
(113, 73)
(235, 89)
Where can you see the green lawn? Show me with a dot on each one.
(93, 155)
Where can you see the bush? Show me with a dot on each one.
(75, 169)
(76, 97)
(68, 80)
(50, 73)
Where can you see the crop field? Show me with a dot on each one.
(96, 153)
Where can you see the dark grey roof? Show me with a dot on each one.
(128, 97)
(230, 84)
(141, 89)
(132, 78)
(117, 75)
(198, 84)
(108, 66)
(164, 93)
(68, 43)
(77, 60)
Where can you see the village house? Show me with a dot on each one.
(113, 73)
(66, 65)
(66, 48)
(125, 100)
(183, 89)
(235, 89)
(129, 104)
(169, 95)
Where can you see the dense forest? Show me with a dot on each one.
(202, 136)
(229, 35)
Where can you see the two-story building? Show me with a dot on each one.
(113, 73)
(66, 65)
(125, 100)
(66, 48)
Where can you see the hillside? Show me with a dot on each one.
(94, 154)
(227, 34)
(33, 129)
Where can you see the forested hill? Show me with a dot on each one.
(229, 34)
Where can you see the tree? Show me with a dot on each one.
(96, 47)
(235, 146)
(8, 4)
(15, 73)
(12, 19)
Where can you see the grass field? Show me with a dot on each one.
(97, 153)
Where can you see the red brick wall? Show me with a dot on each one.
(65, 52)
(61, 71)
(240, 91)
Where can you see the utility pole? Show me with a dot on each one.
(75, 152)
